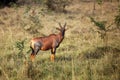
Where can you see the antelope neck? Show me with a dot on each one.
(61, 36)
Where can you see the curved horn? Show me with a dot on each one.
(65, 25)
(60, 25)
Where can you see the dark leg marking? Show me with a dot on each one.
(37, 47)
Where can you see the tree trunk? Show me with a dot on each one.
(94, 2)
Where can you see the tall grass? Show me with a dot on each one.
(81, 56)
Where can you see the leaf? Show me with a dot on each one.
(99, 24)
(117, 20)
(20, 45)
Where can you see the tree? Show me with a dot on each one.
(103, 30)
(7, 2)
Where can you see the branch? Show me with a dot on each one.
(112, 29)
(110, 24)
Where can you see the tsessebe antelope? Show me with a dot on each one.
(49, 42)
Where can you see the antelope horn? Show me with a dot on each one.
(60, 25)
(65, 25)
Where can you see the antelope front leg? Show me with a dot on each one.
(32, 56)
(34, 53)
(53, 54)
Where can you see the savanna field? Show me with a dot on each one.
(88, 52)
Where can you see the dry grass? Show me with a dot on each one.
(81, 55)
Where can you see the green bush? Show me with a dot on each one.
(7, 2)
(57, 5)
(29, 2)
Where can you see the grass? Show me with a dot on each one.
(81, 55)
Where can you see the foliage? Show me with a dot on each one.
(77, 58)
(20, 45)
(99, 2)
(7, 2)
(100, 24)
(85, 68)
(27, 9)
(101, 27)
(57, 5)
(117, 18)
(102, 30)
(39, 1)
(35, 19)
(31, 2)
(34, 23)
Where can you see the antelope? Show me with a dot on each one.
(48, 42)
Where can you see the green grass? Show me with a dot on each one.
(88, 66)
(81, 55)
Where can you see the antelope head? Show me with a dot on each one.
(62, 29)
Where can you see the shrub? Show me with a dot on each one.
(29, 2)
(117, 18)
(57, 5)
(7, 2)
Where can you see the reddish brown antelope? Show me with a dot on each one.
(49, 42)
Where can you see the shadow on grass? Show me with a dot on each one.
(60, 58)
(99, 52)
(64, 58)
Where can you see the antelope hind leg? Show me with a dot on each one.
(53, 51)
